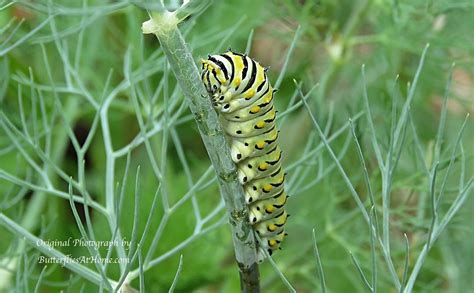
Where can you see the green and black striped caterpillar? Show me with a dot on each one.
(243, 97)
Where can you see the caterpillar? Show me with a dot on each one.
(243, 97)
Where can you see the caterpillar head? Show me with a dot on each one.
(208, 78)
(213, 78)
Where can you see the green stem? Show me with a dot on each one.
(182, 64)
(35, 208)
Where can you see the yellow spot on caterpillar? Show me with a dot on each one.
(270, 209)
(236, 82)
(260, 124)
(263, 166)
(254, 109)
(267, 187)
(249, 94)
(272, 242)
(260, 145)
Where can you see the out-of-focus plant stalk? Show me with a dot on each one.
(164, 26)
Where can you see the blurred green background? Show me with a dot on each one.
(337, 38)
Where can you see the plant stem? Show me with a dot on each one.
(184, 68)
(39, 199)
